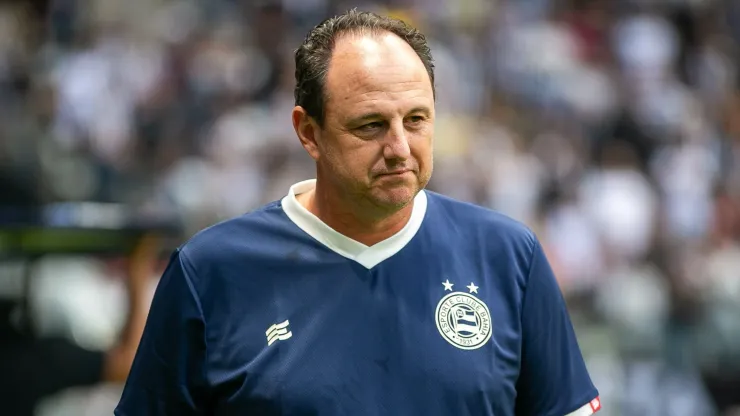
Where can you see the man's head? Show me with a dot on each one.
(365, 108)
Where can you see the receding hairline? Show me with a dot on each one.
(314, 56)
(375, 33)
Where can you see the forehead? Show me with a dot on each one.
(367, 71)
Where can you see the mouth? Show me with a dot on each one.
(395, 173)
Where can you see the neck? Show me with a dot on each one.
(359, 223)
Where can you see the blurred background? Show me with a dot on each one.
(611, 128)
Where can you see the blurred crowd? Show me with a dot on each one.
(611, 128)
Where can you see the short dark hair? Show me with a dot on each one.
(313, 56)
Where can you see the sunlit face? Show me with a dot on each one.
(376, 142)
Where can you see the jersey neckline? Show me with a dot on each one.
(367, 256)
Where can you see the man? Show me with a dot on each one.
(360, 293)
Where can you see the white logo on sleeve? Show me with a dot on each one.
(278, 332)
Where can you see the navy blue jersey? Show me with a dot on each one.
(275, 313)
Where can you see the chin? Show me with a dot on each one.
(395, 198)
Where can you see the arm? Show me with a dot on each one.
(553, 379)
(168, 372)
(48, 365)
(117, 361)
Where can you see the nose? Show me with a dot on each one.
(397, 142)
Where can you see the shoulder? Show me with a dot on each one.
(486, 224)
(233, 264)
(228, 240)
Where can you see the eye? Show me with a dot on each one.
(415, 121)
(370, 126)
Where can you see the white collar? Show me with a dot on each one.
(368, 256)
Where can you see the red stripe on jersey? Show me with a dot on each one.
(595, 405)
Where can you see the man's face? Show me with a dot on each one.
(376, 142)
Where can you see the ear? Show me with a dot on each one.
(308, 131)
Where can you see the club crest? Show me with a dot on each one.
(463, 320)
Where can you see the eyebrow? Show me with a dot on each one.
(376, 115)
(421, 109)
(365, 117)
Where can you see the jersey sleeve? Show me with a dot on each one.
(168, 373)
(553, 379)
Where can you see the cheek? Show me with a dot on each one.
(353, 159)
(422, 149)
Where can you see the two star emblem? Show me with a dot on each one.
(471, 287)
